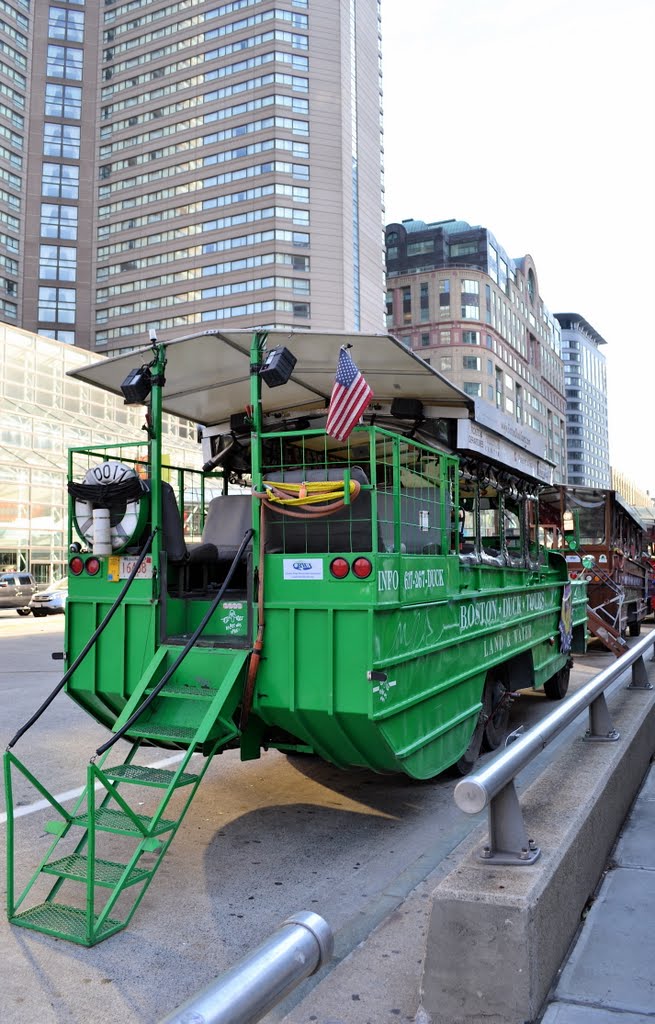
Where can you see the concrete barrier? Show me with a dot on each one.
(498, 935)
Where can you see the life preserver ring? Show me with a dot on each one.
(119, 488)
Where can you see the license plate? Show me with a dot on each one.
(120, 568)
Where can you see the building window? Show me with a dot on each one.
(64, 62)
(61, 181)
(61, 140)
(57, 262)
(64, 24)
(470, 337)
(471, 362)
(425, 340)
(58, 221)
(420, 248)
(471, 388)
(446, 363)
(424, 303)
(471, 287)
(470, 312)
(389, 308)
(444, 337)
(462, 249)
(407, 305)
(63, 101)
(57, 304)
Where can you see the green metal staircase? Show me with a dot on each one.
(107, 889)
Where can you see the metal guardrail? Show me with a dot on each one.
(260, 980)
(493, 785)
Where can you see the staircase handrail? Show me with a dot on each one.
(183, 653)
(87, 647)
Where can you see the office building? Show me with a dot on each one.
(182, 164)
(43, 413)
(476, 315)
(588, 455)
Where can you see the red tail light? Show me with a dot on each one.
(93, 567)
(362, 568)
(339, 568)
(76, 565)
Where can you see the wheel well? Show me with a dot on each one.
(519, 671)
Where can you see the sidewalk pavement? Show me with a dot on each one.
(609, 976)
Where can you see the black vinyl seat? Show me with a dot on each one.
(229, 516)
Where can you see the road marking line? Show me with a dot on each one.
(73, 794)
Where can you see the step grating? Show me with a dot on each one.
(142, 776)
(107, 873)
(109, 820)
(170, 733)
(184, 690)
(65, 922)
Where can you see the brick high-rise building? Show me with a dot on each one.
(184, 164)
(475, 314)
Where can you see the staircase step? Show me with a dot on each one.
(179, 690)
(109, 820)
(139, 775)
(161, 731)
(107, 873)
(65, 923)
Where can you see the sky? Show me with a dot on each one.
(536, 120)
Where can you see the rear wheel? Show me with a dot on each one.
(23, 611)
(496, 701)
(556, 687)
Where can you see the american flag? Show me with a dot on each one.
(350, 396)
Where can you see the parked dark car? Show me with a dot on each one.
(51, 601)
(17, 590)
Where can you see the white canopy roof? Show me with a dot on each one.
(208, 374)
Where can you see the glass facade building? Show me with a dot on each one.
(189, 162)
(43, 413)
(588, 455)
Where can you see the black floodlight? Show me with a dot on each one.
(137, 385)
(278, 366)
(407, 408)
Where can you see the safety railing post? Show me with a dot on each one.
(640, 676)
(600, 728)
(492, 785)
(508, 839)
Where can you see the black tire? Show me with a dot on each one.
(23, 611)
(39, 614)
(634, 628)
(557, 686)
(495, 707)
(467, 761)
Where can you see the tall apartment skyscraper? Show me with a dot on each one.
(184, 164)
(587, 431)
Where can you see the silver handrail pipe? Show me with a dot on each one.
(261, 979)
(493, 785)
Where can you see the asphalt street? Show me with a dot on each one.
(263, 839)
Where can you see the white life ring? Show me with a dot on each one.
(132, 518)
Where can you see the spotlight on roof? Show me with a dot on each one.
(278, 366)
(137, 386)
